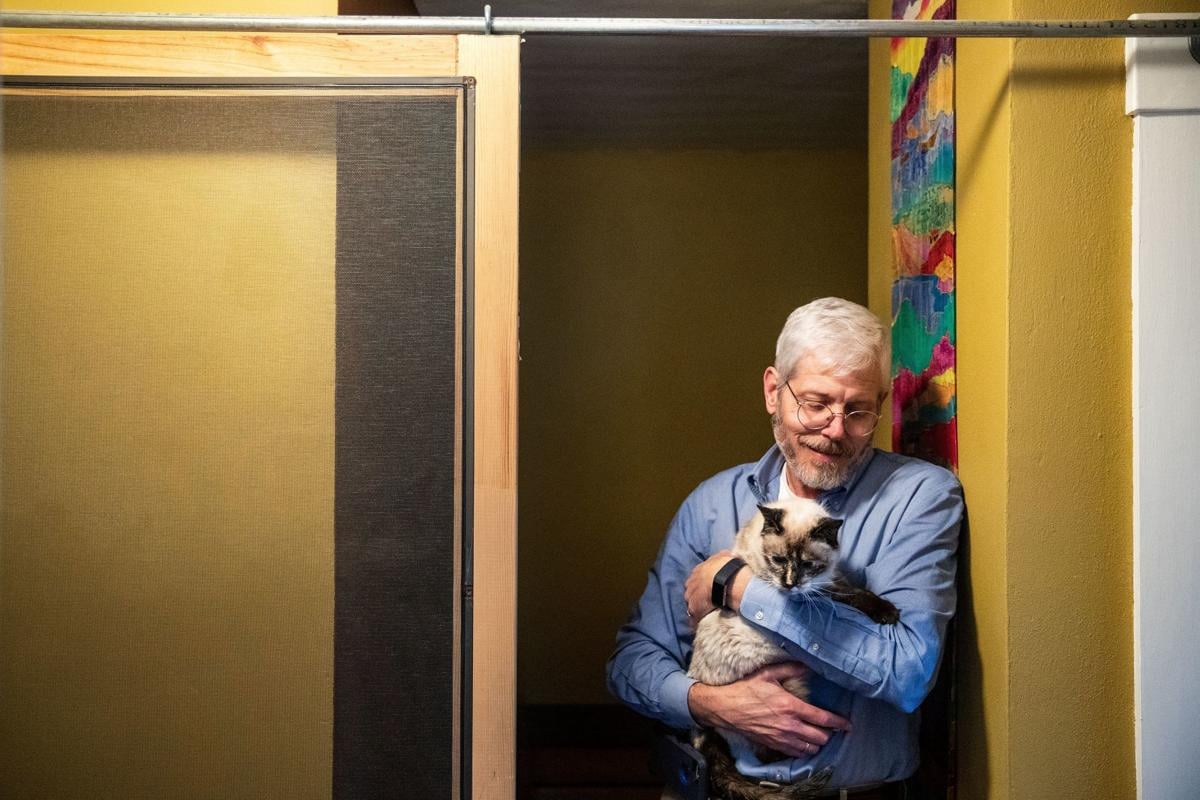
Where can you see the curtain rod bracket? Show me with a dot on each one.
(487, 20)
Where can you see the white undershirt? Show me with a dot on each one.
(785, 488)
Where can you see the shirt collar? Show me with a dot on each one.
(764, 476)
(764, 480)
(834, 500)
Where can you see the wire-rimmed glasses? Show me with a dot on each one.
(816, 416)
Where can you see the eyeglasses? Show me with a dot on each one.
(817, 416)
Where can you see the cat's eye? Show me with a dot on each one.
(807, 565)
(780, 560)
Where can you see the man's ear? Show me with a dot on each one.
(771, 389)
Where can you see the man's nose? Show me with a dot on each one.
(836, 429)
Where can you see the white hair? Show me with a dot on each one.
(841, 334)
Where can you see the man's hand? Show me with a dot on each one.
(759, 708)
(697, 590)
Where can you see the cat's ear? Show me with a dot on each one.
(772, 519)
(827, 532)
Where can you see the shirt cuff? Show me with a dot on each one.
(674, 701)
(761, 604)
(821, 635)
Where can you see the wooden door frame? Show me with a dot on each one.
(493, 61)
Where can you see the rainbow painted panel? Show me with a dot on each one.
(924, 409)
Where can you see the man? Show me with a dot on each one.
(899, 538)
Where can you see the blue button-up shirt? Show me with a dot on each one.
(899, 540)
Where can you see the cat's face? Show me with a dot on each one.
(799, 547)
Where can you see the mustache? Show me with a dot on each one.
(822, 445)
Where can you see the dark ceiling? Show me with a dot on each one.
(686, 91)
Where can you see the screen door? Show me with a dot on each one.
(238, 437)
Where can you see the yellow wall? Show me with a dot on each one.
(982, 280)
(653, 285)
(166, 594)
(1046, 678)
(983, 362)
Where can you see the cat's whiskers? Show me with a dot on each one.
(815, 596)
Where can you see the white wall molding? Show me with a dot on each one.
(1160, 74)
(1163, 96)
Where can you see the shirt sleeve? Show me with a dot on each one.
(646, 671)
(915, 570)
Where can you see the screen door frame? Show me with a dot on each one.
(491, 63)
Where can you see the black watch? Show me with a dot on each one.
(724, 580)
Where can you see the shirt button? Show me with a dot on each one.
(814, 647)
(758, 615)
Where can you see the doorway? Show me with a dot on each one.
(679, 197)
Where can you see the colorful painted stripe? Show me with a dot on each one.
(924, 403)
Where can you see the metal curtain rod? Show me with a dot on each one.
(488, 24)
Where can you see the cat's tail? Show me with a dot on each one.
(728, 784)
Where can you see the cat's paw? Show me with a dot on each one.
(883, 612)
(821, 777)
(808, 789)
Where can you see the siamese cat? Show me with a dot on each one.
(793, 545)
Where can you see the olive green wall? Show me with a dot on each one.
(1044, 194)
(653, 285)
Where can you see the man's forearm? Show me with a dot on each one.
(703, 704)
(650, 680)
(894, 663)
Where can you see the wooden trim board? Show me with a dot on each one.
(494, 62)
(224, 55)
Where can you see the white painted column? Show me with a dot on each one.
(1163, 96)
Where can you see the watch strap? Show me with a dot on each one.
(723, 580)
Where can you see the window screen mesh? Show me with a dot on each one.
(231, 442)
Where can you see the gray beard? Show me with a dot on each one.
(822, 477)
